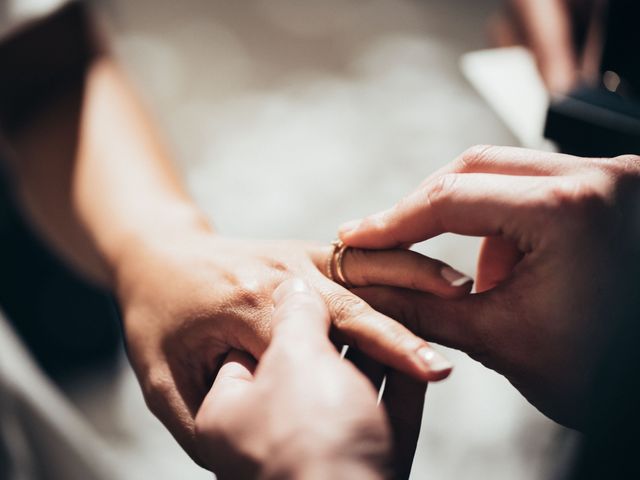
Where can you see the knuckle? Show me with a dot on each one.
(627, 170)
(344, 308)
(573, 195)
(631, 162)
(156, 387)
(440, 189)
(249, 294)
(476, 156)
(298, 306)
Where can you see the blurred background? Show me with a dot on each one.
(287, 118)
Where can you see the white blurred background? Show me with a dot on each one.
(287, 118)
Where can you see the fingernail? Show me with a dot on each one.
(436, 362)
(454, 277)
(289, 287)
(349, 226)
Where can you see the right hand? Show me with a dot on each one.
(304, 412)
(557, 273)
(189, 297)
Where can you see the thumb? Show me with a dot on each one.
(300, 316)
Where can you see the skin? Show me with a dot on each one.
(303, 412)
(557, 271)
(554, 32)
(93, 177)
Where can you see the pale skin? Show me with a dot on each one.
(557, 272)
(95, 180)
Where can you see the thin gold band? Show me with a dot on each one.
(335, 264)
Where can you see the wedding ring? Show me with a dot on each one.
(335, 264)
(329, 266)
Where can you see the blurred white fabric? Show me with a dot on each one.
(42, 436)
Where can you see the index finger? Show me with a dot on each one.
(475, 204)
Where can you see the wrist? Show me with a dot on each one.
(322, 469)
(132, 248)
(302, 459)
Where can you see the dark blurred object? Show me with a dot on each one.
(620, 50)
(68, 325)
(41, 57)
(604, 121)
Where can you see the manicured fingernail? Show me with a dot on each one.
(436, 362)
(289, 287)
(349, 226)
(454, 277)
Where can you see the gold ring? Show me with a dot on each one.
(334, 264)
(329, 266)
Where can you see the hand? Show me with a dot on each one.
(189, 299)
(554, 30)
(303, 413)
(557, 271)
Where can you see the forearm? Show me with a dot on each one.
(93, 177)
(126, 191)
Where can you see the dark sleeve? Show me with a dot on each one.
(39, 58)
(67, 324)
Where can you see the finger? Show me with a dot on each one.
(512, 161)
(475, 204)
(547, 29)
(232, 382)
(169, 406)
(502, 31)
(380, 337)
(498, 257)
(461, 324)
(300, 317)
(405, 269)
(370, 368)
(404, 401)
(399, 268)
(485, 159)
(215, 418)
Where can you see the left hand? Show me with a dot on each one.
(304, 412)
(189, 298)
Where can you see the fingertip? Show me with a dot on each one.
(454, 278)
(456, 293)
(348, 227)
(439, 375)
(370, 232)
(436, 366)
(289, 287)
(299, 310)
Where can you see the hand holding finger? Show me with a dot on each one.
(300, 315)
(381, 337)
